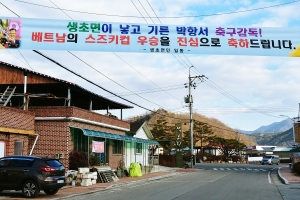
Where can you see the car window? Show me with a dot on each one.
(21, 162)
(267, 156)
(53, 163)
(4, 162)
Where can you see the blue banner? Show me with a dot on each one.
(76, 35)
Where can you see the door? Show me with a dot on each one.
(128, 153)
(2, 149)
(4, 182)
(17, 170)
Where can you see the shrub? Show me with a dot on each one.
(77, 159)
(296, 168)
(94, 160)
(235, 158)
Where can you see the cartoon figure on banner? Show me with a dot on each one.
(14, 33)
(3, 40)
(10, 33)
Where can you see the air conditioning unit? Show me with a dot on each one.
(59, 155)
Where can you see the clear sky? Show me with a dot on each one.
(244, 92)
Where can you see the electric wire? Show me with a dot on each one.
(144, 76)
(114, 81)
(104, 74)
(146, 91)
(167, 17)
(187, 68)
(19, 51)
(211, 85)
(231, 97)
(139, 17)
(25, 59)
(153, 11)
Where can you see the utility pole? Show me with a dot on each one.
(189, 100)
(238, 139)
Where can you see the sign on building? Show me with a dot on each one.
(178, 134)
(297, 132)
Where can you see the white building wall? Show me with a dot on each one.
(132, 156)
(141, 134)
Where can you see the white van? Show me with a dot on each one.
(270, 159)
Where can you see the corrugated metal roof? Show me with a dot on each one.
(101, 100)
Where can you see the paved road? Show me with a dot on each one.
(212, 181)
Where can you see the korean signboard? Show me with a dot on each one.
(46, 34)
(297, 132)
(178, 134)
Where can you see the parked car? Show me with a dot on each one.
(270, 159)
(31, 174)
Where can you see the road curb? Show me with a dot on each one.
(282, 178)
(143, 180)
(120, 185)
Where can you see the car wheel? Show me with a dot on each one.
(262, 163)
(51, 191)
(278, 163)
(30, 189)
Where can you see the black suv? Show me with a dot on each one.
(31, 174)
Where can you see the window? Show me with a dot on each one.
(20, 162)
(139, 147)
(53, 163)
(18, 148)
(4, 162)
(117, 146)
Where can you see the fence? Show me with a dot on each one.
(167, 160)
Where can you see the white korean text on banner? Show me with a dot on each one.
(97, 147)
(76, 35)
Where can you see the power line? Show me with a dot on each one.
(63, 9)
(88, 80)
(146, 11)
(146, 91)
(113, 80)
(143, 75)
(93, 82)
(226, 94)
(153, 11)
(102, 73)
(167, 17)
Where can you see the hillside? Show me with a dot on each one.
(219, 128)
(275, 127)
(276, 139)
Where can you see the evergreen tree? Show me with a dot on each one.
(163, 133)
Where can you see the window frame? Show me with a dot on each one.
(18, 147)
(138, 148)
(117, 146)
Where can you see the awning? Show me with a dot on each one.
(112, 136)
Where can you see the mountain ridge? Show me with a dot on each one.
(274, 127)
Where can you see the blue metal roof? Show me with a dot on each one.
(112, 136)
